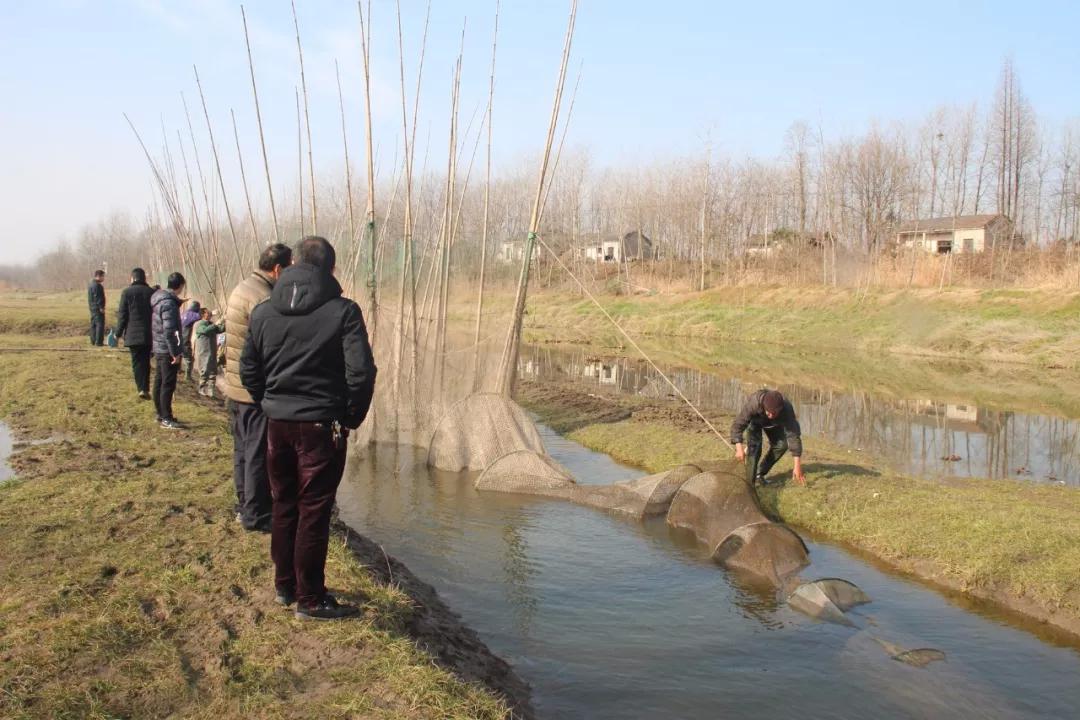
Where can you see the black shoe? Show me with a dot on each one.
(143, 395)
(171, 424)
(285, 598)
(263, 527)
(326, 609)
(759, 480)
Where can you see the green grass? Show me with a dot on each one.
(1032, 327)
(46, 313)
(1015, 542)
(129, 591)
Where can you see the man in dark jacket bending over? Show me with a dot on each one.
(769, 412)
(133, 325)
(308, 363)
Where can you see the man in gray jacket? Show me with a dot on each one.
(246, 419)
(165, 334)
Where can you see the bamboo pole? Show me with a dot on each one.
(262, 138)
(508, 363)
(407, 276)
(221, 178)
(487, 206)
(243, 180)
(369, 225)
(300, 159)
(307, 123)
(348, 168)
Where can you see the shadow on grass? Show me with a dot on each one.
(836, 469)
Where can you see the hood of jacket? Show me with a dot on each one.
(302, 289)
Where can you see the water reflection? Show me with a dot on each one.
(616, 619)
(917, 436)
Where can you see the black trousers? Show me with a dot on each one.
(97, 328)
(164, 386)
(755, 465)
(248, 426)
(140, 366)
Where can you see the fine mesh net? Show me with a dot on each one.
(527, 472)
(723, 512)
(477, 431)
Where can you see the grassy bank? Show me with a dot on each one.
(46, 313)
(1015, 543)
(130, 591)
(1037, 327)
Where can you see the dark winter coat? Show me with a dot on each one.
(165, 323)
(133, 316)
(95, 297)
(753, 414)
(307, 357)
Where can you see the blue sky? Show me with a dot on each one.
(656, 79)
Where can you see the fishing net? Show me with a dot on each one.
(723, 513)
(480, 429)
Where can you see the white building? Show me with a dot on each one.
(960, 234)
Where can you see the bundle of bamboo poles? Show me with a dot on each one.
(216, 253)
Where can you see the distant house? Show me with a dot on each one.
(613, 249)
(511, 251)
(960, 234)
(762, 245)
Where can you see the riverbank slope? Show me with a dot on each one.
(130, 591)
(1013, 543)
(1032, 327)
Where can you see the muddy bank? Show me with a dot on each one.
(1009, 544)
(438, 630)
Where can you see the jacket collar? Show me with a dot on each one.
(264, 276)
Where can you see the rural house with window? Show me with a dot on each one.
(960, 234)
(613, 249)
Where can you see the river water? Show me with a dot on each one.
(614, 619)
(924, 418)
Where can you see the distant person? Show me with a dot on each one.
(246, 419)
(165, 327)
(767, 411)
(133, 326)
(188, 318)
(95, 298)
(206, 350)
(308, 362)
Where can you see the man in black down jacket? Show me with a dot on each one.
(165, 331)
(95, 299)
(307, 362)
(770, 412)
(133, 325)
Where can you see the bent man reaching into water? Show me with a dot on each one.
(767, 411)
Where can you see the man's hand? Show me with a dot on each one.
(176, 360)
(740, 452)
(797, 474)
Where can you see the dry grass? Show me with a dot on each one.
(1033, 327)
(129, 591)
